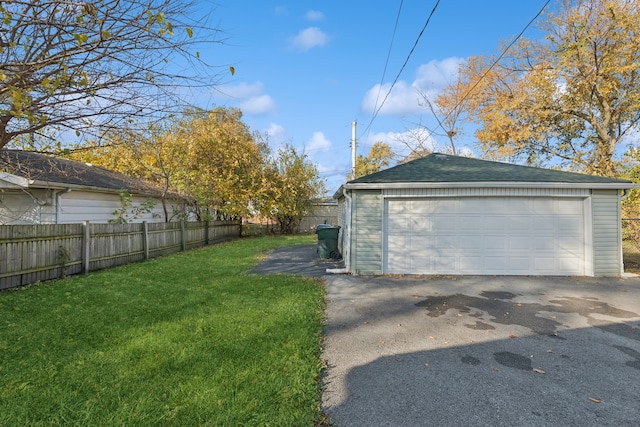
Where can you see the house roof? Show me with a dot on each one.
(438, 167)
(443, 170)
(23, 168)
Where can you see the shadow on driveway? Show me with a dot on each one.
(300, 259)
(478, 351)
(475, 351)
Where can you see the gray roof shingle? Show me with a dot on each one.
(57, 172)
(444, 168)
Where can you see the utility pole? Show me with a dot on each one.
(353, 150)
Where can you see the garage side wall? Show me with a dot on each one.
(367, 232)
(607, 251)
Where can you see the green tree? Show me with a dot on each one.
(571, 97)
(294, 183)
(379, 157)
(91, 66)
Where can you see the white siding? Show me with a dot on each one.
(607, 255)
(27, 207)
(77, 206)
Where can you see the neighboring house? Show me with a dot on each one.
(444, 214)
(38, 189)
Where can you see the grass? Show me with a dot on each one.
(184, 340)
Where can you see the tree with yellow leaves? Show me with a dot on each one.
(378, 158)
(570, 98)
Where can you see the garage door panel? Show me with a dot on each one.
(447, 263)
(519, 242)
(544, 223)
(519, 264)
(445, 222)
(398, 222)
(420, 224)
(398, 208)
(471, 264)
(569, 225)
(419, 243)
(569, 207)
(495, 242)
(476, 235)
(496, 222)
(445, 242)
(497, 264)
(543, 244)
(566, 265)
(470, 223)
(543, 265)
(470, 242)
(446, 205)
(421, 208)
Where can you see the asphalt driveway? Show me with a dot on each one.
(478, 351)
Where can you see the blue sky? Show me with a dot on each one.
(305, 70)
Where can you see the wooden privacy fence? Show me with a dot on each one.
(32, 253)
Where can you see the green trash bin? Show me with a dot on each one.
(328, 241)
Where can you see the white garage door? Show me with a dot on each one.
(485, 235)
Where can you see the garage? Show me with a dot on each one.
(444, 214)
(485, 235)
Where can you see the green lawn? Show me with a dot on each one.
(184, 340)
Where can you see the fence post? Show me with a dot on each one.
(86, 244)
(182, 242)
(206, 232)
(145, 239)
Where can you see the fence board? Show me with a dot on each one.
(32, 253)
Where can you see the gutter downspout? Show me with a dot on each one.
(346, 240)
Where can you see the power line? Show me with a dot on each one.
(415, 44)
(504, 52)
(386, 63)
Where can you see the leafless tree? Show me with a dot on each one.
(88, 66)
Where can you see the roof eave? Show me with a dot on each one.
(78, 187)
(13, 181)
(490, 184)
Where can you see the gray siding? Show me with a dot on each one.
(607, 257)
(342, 222)
(367, 232)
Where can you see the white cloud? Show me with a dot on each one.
(437, 74)
(406, 98)
(314, 15)
(250, 98)
(276, 136)
(281, 10)
(403, 142)
(275, 131)
(317, 143)
(258, 105)
(308, 39)
(242, 90)
(401, 99)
